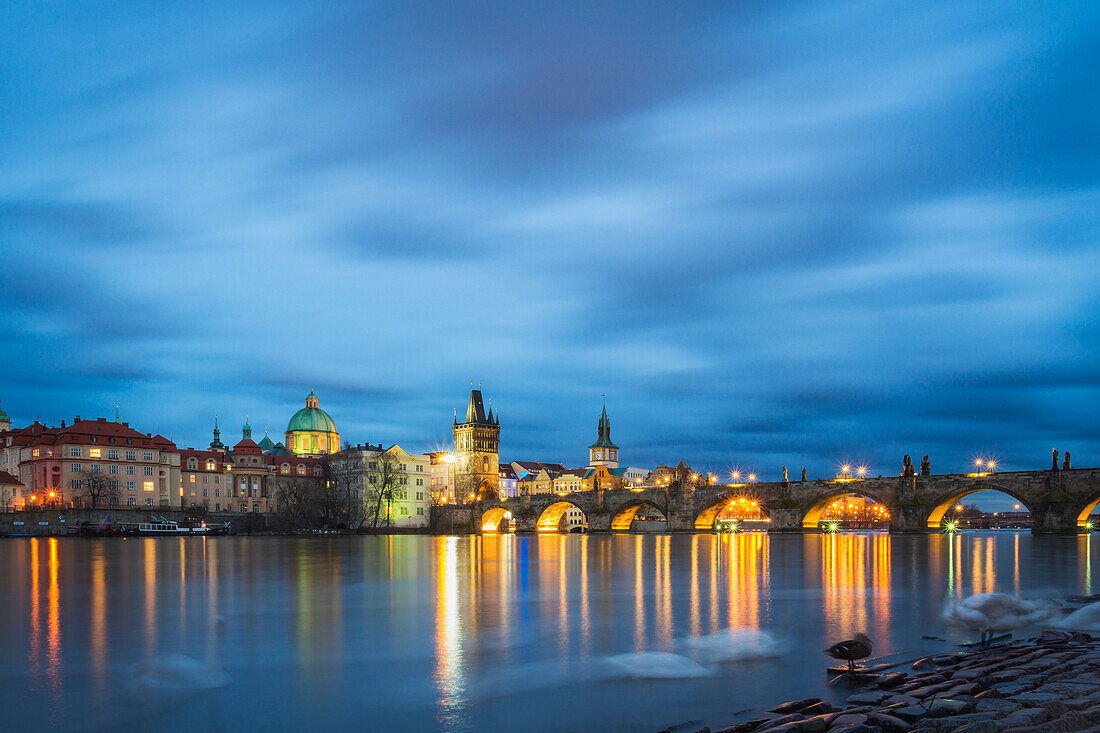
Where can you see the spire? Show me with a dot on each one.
(216, 443)
(604, 437)
(117, 418)
(456, 417)
(475, 410)
(490, 417)
(246, 430)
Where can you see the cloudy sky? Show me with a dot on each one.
(770, 233)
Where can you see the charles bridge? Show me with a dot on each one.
(1060, 501)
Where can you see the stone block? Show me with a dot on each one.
(996, 705)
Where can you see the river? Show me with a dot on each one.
(541, 633)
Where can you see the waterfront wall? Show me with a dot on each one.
(54, 522)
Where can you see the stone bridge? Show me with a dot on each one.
(1060, 502)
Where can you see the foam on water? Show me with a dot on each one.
(177, 672)
(653, 665)
(737, 643)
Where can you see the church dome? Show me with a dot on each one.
(311, 418)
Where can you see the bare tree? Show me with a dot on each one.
(342, 484)
(383, 484)
(96, 489)
(297, 500)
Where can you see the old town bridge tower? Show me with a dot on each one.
(477, 441)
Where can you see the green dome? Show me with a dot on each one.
(311, 418)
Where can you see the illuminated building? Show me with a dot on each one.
(311, 431)
(443, 477)
(509, 482)
(477, 441)
(9, 489)
(242, 479)
(362, 467)
(54, 464)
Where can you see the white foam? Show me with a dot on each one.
(177, 672)
(738, 643)
(654, 665)
(1086, 618)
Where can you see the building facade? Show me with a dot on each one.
(442, 477)
(245, 478)
(58, 466)
(477, 441)
(392, 485)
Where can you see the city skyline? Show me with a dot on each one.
(771, 235)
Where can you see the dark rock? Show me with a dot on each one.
(988, 694)
(888, 723)
(795, 705)
(849, 719)
(1024, 718)
(781, 721)
(949, 706)
(994, 705)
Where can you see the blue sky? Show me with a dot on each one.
(771, 233)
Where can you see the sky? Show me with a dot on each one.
(766, 233)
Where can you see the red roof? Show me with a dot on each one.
(83, 432)
(248, 446)
(6, 479)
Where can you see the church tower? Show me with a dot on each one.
(477, 441)
(603, 452)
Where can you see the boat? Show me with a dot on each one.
(158, 527)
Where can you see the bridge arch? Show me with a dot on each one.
(494, 517)
(812, 518)
(550, 518)
(623, 519)
(946, 501)
(1086, 511)
(705, 519)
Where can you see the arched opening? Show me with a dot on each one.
(848, 510)
(497, 519)
(994, 509)
(641, 517)
(1085, 522)
(746, 512)
(562, 516)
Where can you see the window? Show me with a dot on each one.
(74, 452)
(131, 455)
(210, 465)
(148, 456)
(255, 507)
(206, 479)
(192, 464)
(420, 510)
(301, 470)
(148, 485)
(217, 507)
(217, 492)
(420, 496)
(130, 501)
(131, 470)
(94, 452)
(192, 478)
(148, 470)
(36, 453)
(404, 510)
(148, 501)
(112, 469)
(244, 508)
(74, 484)
(112, 454)
(130, 486)
(284, 469)
(206, 492)
(217, 479)
(95, 468)
(75, 468)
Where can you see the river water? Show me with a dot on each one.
(544, 633)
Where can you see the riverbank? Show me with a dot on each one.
(1051, 683)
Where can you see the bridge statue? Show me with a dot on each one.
(784, 474)
(803, 473)
(1065, 463)
(925, 467)
(907, 466)
(1054, 461)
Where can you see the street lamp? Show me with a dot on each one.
(862, 471)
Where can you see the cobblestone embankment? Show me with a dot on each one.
(1051, 683)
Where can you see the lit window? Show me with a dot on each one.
(93, 452)
(36, 453)
(130, 501)
(301, 470)
(148, 485)
(192, 478)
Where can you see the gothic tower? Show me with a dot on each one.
(603, 452)
(477, 441)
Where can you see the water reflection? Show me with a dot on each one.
(441, 629)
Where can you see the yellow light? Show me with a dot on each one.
(992, 465)
(752, 477)
(52, 494)
(694, 477)
(845, 468)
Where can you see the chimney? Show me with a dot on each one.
(76, 419)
